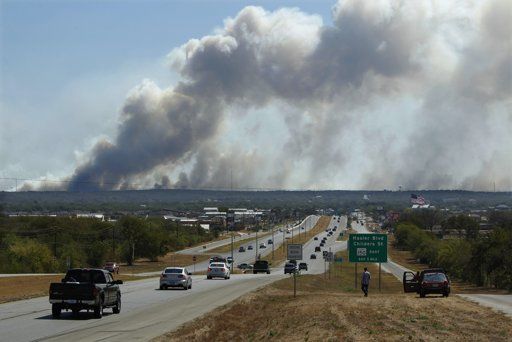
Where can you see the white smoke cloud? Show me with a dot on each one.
(442, 73)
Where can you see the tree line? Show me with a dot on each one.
(484, 260)
(52, 244)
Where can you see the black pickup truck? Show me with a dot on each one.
(86, 289)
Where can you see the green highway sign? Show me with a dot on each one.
(368, 248)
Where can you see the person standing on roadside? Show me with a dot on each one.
(365, 281)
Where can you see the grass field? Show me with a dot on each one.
(333, 310)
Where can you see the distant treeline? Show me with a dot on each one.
(50, 244)
(484, 260)
(181, 199)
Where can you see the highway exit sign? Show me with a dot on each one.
(368, 248)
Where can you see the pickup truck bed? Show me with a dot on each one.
(89, 289)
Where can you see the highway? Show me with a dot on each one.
(249, 256)
(146, 311)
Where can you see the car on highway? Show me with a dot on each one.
(249, 248)
(292, 262)
(112, 267)
(262, 245)
(85, 289)
(315, 238)
(318, 249)
(175, 277)
(313, 256)
(290, 268)
(218, 258)
(429, 281)
(218, 270)
(261, 266)
(322, 244)
(241, 249)
(303, 266)
(270, 242)
(243, 266)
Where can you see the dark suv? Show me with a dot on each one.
(261, 266)
(428, 281)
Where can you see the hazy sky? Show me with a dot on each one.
(347, 95)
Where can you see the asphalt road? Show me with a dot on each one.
(249, 256)
(146, 312)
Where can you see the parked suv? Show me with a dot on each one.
(175, 277)
(428, 281)
(261, 266)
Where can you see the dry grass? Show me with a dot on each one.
(280, 253)
(171, 259)
(25, 287)
(330, 310)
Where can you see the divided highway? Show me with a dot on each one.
(146, 311)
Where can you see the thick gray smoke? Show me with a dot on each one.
(325, 83)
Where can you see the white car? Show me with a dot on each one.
(175, 277)
(218, 270)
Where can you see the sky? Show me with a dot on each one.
(259, 94)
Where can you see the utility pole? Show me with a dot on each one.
(273, 242)
(113, 244)
(232, 261)
(256, 249)
(55, 242)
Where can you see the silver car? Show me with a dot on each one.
(218, 270)
(176, 277)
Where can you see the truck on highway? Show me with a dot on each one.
(85, 289)
(261, 266)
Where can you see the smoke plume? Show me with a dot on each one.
(393, 93)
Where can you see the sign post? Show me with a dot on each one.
(294, 252)
(368, 248)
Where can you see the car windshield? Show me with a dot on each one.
(85, 276)
(174, 270)
(434, 277)
(261, 263)
(216, 265)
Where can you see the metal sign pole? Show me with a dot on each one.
(379, 274)
(355, 277)
(294, 284)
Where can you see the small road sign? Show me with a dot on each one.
(294, 251)
(194, 258)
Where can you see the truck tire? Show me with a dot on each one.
(117, 309)
(56, 309)
(98, 310)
